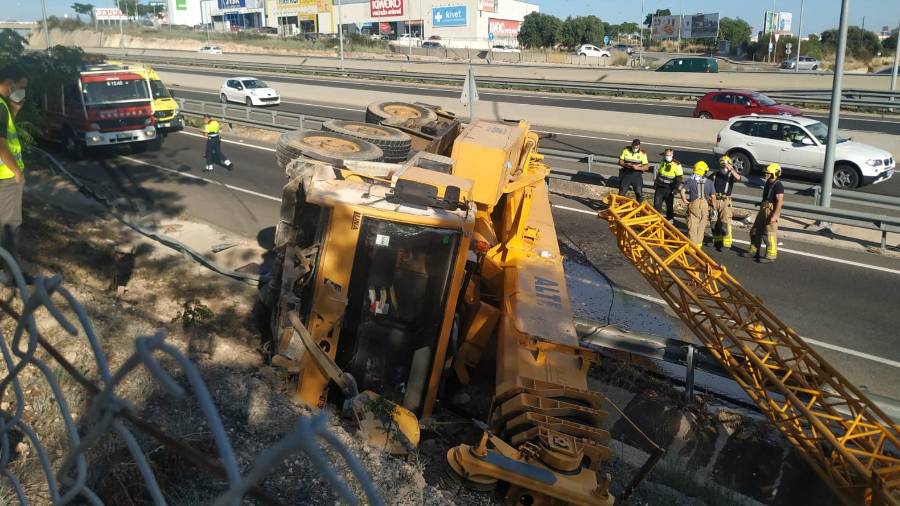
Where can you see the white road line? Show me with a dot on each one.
(815, 342)
(227, 141)
(198, 178)
(785, 250)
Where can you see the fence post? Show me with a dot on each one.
(884, 233)
(590, 163)
(302, 121)
(689, 375)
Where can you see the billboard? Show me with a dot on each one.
(181, 5)
(232, 4)
(108, 14)
(385, 8)
(780, 22)
(697, 26)
(504, 28)
(454, 15)
(487, 5)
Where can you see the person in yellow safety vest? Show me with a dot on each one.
(723, 182)
(633, 162)
(766, 224)
(214, 153)
(697, 193)
(13, 82)
(668, 180)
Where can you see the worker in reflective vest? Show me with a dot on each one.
(698, 195)
(214, 153)
(668, 180)
(765, 227)
(723, 181)
(633, 162)
(13, 82)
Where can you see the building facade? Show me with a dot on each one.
(230, 15)
(184, 12)
(456, 23)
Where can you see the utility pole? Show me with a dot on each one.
(46, 30)
(896, 60)
(341, 32)
(641, 25)
(772, 35)
(835, 113)
(680, 24)
(799, 38)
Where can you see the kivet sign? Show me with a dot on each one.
(384, 8)
(456, 15)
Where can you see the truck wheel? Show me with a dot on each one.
(401, 111)
(327, 147)
(393, 142)
(845, 176)
(73, 146)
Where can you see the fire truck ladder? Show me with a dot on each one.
(843, 436)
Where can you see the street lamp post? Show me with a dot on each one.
(835, 113)
(896, 60)
(799, 38)
(341, 32)
(641, 47)
(46, 29)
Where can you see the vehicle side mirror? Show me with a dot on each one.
(750, 105)
(806, 141)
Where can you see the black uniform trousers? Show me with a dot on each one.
(213, 150)
(631, 179)
(665, 195)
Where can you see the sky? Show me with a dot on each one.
(819, 15)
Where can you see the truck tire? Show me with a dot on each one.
(327, 147)
(393, 142)
(73, 146)
(381, 111)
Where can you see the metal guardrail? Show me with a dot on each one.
(865, 99)
(271, 118)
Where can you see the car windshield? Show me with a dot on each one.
(115, 90)
(761, 99)
(253, 84)
(159, 90)
(820, 132)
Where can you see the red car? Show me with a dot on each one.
(725, 104)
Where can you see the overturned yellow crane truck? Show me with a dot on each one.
(396, 279)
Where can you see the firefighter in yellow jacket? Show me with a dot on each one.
(765, 227)
(214, 153)
(723, 182)
(697, 193)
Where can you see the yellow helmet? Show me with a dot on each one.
(774, 169)
(725, 160)
(700, 168)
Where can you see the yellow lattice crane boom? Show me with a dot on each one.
(851, 443)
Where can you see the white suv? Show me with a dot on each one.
(798, 143)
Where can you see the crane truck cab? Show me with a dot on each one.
(105, 105)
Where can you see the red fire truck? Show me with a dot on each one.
(107, 105)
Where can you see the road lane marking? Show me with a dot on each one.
(198, 178)
(815, 342)
(238, 143)
(786, 250)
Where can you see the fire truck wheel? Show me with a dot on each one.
(327, 147)
(73, 146)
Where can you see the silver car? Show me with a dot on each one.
(806, 63)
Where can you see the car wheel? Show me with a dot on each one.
(704, 115)
(815, 67)
(395, 143)
(223, 98)
(330, 147)
(248, 102)
(741, 162)
(845, 177)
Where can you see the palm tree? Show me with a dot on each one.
(88, 9)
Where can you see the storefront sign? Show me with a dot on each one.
(294, 7)
(385, 29)
(503, 28)
(231, 4)
(108, 14)
(181, 5)
(456, 15)
(487, 5)
(384, 8)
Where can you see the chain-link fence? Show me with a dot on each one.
(65, 465)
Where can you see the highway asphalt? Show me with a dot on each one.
(573, 141)
(842, 298)
(858, 123)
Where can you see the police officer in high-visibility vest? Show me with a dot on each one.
(697, 193)
(668, 180)
(633, 162)
(723, 181)
(13, 82)
(214, 153)
(765, 227)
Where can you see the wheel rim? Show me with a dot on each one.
(402, 111)
(740, 165)
(367, 130)
(705, 115)
(331, 144)
(222, 97)
(843, 178)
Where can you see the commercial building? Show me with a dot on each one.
(185, 12)
(238, 14)
(457, 23)
(300, 16)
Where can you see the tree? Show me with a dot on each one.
(861, 44)
(539, 30)
(659, 12)
(581, 30)
(80, 8)
(629, 28)
(12, 46)
(890, 43)
(736, 31)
